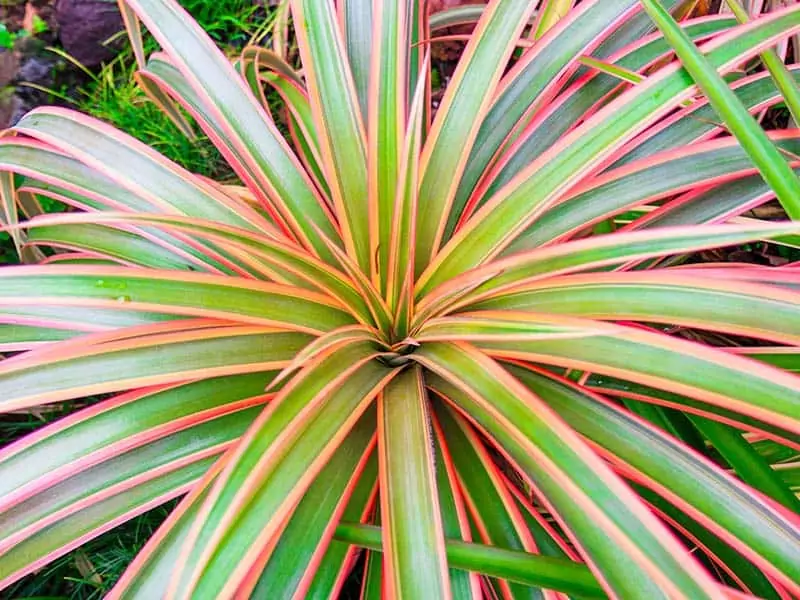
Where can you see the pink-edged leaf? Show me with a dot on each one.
(160, 354)
(661, 361)
(491, 504)
(413, 534)
(274, 465)
(742, 517)
(674, 297)
(465, 104)
(338, 122)
(340, 557)
(294, 561)
(578, 487)
(251, 141)
(498, 222)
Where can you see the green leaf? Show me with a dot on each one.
(745, 128)
(261, 155)
(166, 358)
(602, 514)
(59, 538)
(455, 521)
(522, 567)
(281, 210)
(521, 90)
(334, 565)
(358, 33)
(459, 117)
(176, 457)
(171, 292)
(746, 462)
(124, 422)
(586, 93)
(292, 564)
(776, 67)
(750, 524)
(721, 555)
(514, 207)
(412, 524)
(597, 252)
(699, 120)
(338, 121)
(133, 165)
(275, 464)
(706, 374)
(629, 390)
(115, 244)
(679, 297)
(492, 505)
(386, 129)
(149, 574)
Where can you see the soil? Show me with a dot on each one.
(29, 69)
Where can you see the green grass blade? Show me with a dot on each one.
(529, 569)
(762, 151)
(746, 462)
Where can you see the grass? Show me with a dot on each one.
(232, 22)
(113, 96)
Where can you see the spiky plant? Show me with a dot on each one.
(472, 342)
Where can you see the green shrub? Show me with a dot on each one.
(442, 356)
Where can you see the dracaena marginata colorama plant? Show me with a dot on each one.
(429, 352)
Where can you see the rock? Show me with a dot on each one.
(8, 67)
(37, 70)
(9, 107)
(85, 26)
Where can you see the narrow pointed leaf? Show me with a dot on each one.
(459, 117)
(766, 157)
(528, 569)
(695, 480)
(274, 465)
(339, 122)
(533, 190)
(412, 524)
(553, 457)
